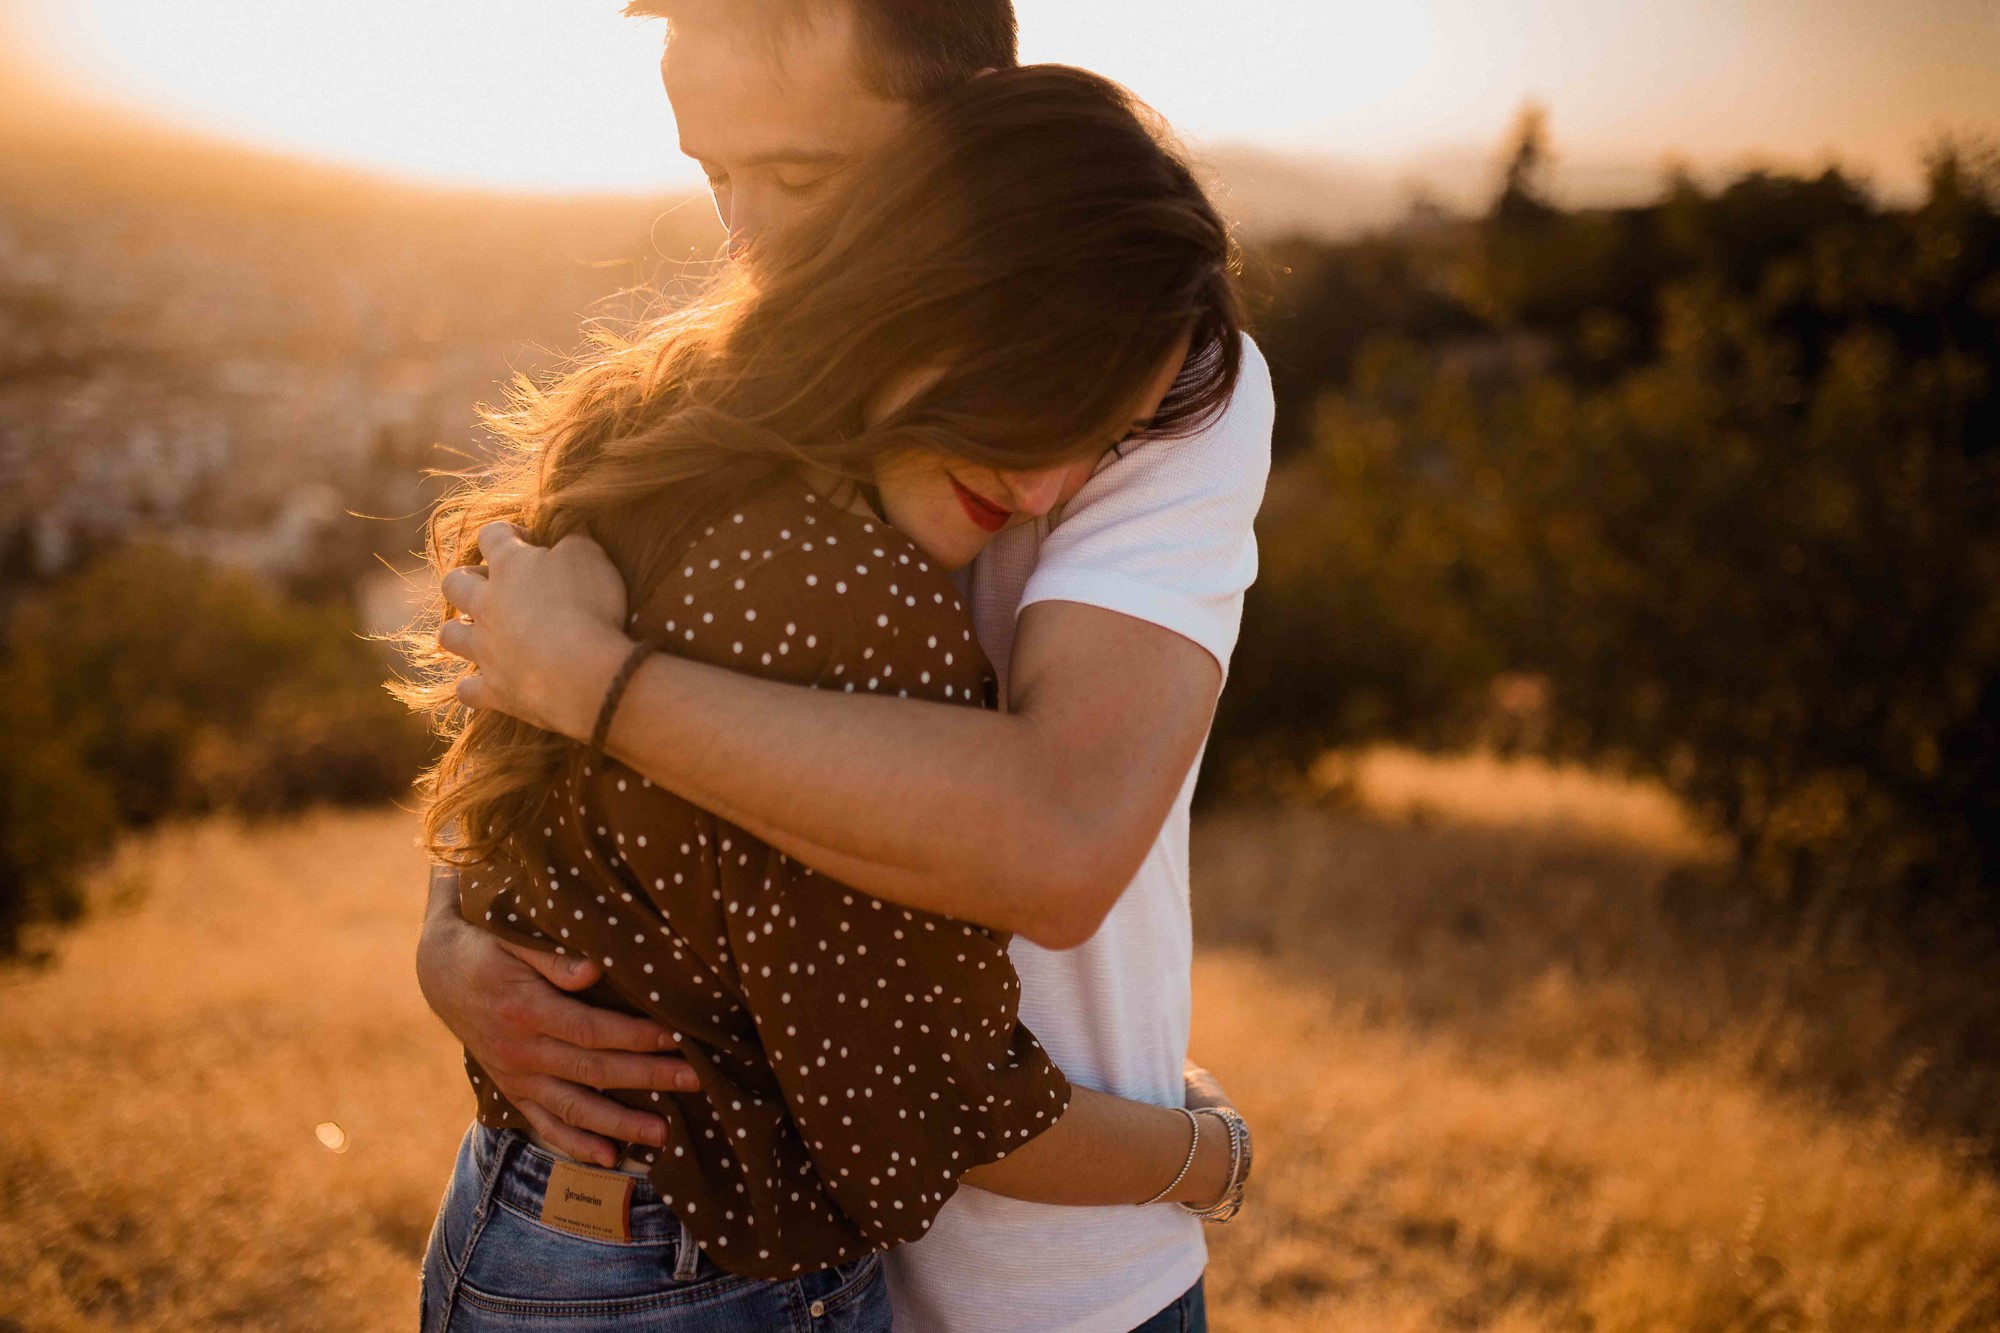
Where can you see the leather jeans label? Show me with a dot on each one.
(590, 1203)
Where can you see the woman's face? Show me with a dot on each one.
(952, 508)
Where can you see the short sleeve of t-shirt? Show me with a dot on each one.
(1166, 533)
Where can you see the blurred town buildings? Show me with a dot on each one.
(231, 353)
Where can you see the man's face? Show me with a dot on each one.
(773, 124)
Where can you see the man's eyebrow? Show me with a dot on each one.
(773, 157)
(796, 157)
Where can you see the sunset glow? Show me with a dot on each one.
(529, 94)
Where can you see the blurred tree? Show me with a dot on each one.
(164, 664)
(1524, 191)
(56, 816)
(1720, 469)
(151, 684)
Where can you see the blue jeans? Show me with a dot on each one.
(492, 1265)
(1189, 1314)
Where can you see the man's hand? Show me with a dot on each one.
(546, 1052)
(543, 625)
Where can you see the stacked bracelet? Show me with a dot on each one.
(615, 692)
(1187, 1166)
(1231, 1202)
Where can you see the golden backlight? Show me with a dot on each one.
(551, 95)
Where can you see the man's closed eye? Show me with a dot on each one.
(803, 183)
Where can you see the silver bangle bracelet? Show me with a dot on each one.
(1231, 1202)
(1187, 1166)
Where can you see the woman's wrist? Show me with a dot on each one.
(1232, 1127)
(1209, 1176)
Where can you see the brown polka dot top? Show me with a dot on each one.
(855, 1058)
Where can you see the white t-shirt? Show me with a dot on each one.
(1164, 535)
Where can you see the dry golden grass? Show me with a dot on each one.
(1491, 791)
(1407, 1187)
(1522, 1059)
(1480, 1103)
(158, 1165)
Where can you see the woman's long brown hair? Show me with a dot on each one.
(1034, 236)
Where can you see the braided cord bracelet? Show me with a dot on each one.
(615, 692)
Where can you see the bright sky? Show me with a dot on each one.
(564, 94)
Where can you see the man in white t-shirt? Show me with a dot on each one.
(1109, 608)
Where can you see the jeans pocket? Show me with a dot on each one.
(519, 1266)
(848, 1298)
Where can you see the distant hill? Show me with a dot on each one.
(1273, 194)
(1279, 194)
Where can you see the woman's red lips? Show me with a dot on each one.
(985, 515)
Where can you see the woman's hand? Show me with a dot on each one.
(1208, 1179)
(544, 626)
(1202, 1089)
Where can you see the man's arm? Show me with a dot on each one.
(1031, 821)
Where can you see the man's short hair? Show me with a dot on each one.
(911, 50)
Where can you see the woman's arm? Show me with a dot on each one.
(1107, 1150)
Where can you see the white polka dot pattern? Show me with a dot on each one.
(856, 1058)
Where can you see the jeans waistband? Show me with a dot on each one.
(524, 1181)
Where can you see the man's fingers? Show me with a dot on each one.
(597, 1029)
(500, 540)
(582, 1108)
(567, 971)
(465, 587)
(573, 1142)
(617, 1069)
(460, 639)
(474, 691)
(579, 542)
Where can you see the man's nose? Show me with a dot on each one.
(744, 220)
(1035, 493)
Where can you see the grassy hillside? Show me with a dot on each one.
(1461, 1125)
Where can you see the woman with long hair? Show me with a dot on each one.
(787, 470)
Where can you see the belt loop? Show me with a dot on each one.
(504, 1144)
(688, 1258)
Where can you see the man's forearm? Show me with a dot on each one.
(951, 810)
